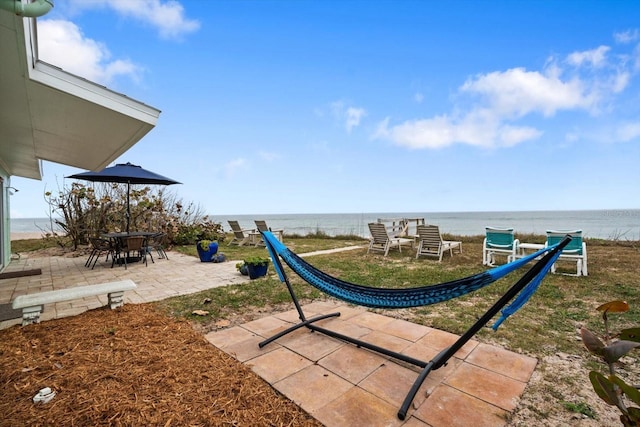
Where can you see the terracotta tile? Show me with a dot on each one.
(278, 364)
(292, 336)
(406, 330)
(391, 382)
(448, 407)
(372, 321)
(226, 337)
(422, 351)
(312, 345)
(290, 316)
(357, 408)
(313, 387)
(348, 311)
(415, 422)
(489, 386)
(352, 363)
(440, 340)
(345, 327)
(247, 349)
(386, 341)
(505, 362)
(323, 307)
(266, 326)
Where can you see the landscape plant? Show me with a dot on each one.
(256, 260)
(78, 212)
(611, 388)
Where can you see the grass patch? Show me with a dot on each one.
(28, 245)
(580, 408)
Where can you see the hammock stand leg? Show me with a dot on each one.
(443, 357)
(303, 319)
(309, 324)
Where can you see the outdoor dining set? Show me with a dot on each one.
(127, 247)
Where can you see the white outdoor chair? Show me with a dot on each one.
(382, 242)
(575, 251)
(499, 241)
(430, 243)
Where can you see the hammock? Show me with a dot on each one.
(411, 297)
(385, 297)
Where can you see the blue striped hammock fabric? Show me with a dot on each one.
(400, 298)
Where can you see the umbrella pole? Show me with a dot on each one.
(128, 207)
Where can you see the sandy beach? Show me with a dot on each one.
(23, 236)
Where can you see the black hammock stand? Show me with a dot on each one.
(412, 297)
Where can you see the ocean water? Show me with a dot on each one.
(615, 224)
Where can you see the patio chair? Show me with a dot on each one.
(262, 226)
(575, 251)
(382, 242)
(499, 241)
(132, 247)
(98, 247)
(239, 236)
(155, 242)
(430, 243)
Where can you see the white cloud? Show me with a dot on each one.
(595, 57)
(61, 43)
(168, 17)
(628, 36)
(476, 129)
(351, 116)
(233, 166)
(490, 108)
(628, 131)
(513, 135)
(620, 81)
(517, 92)
(354, 115)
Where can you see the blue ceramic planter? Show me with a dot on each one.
(207, 256)
(256, 271)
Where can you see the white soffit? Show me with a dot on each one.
(49, 114)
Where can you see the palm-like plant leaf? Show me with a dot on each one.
(614, 307)
(632, 393)
(603, 388)
(634, 414)
(631, 334)
(615, 351)
(592, 342)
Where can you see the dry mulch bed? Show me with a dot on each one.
(131, 366)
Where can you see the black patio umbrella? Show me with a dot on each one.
(125, 173)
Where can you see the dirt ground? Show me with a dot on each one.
(131, 366)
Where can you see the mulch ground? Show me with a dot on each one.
(131, 366)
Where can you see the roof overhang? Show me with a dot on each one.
(49, 114)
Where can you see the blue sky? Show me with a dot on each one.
(366, 106)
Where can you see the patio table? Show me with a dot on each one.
(119, 237)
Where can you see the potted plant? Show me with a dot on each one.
(207, 249)
(242, 268)
(256, 266)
